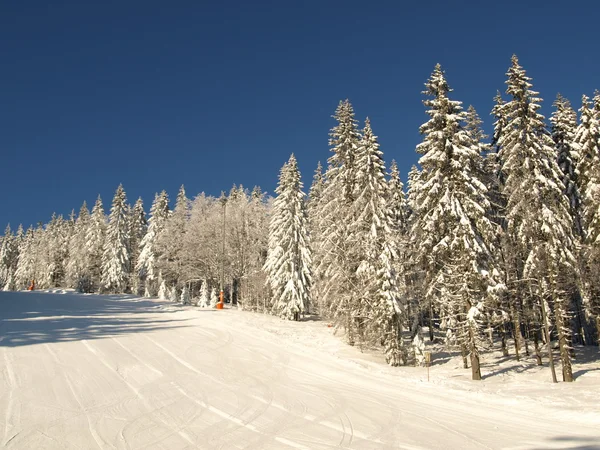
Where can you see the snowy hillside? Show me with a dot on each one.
(86, 371)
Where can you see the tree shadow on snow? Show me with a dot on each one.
(28, 318)
(572, 443)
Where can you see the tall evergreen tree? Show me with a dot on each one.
(116, 256)
(76, 273)
(587, 143)
(146, 267)
(337, 265)
(8, 259)
(538, 222)
(564, 126)
(451, 222)
(95, 245)
(138, 226)
(288, 264)
(375, 232)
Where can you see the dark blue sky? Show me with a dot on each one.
(155, 94)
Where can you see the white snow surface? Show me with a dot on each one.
(116, 371)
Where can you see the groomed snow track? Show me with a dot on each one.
(117, 372)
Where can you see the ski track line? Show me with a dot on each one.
(215, 410)
(349, 433)
(239, 421)
(12, 382)
(451, 430)
(341, 427)
(440, 424)
(99, 441)
(147, 404)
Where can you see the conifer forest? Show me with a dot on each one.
(491, 243)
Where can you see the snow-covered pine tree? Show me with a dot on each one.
(397, 198)
(138, 225)
(564, 126)
(314, 226)
(163, 293)
(25, 271)
(538, 223)
(451, 219)
(288, 264)
(405, 269)
(53, 251)
(587, 144)
(185, 295)
(336, 271)
(76, 274)
(6, 251)
(378, 311)
(488, 174)
(146, 267)
(204, 295)
(11, 257)
(95, 245)
(116, 263)
(214, 299)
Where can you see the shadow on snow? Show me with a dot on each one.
(28, 318)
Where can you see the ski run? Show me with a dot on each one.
(119, 371)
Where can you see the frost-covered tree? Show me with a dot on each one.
(170, 241)
(146, 267)
(26, 263)
(587, 144)
(163, 293)
(564, 126)
(185, 295)
(538, 226)
(374, 230)
(336, 269)
(214, 299)
(94, 246)
(451, 222)
(76, 270)
(53, 252)
(116, 262)
(204, 295)
(8, 259)
(288, 264)
(397, 198)
(138, 225)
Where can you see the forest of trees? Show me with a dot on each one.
(493, 245)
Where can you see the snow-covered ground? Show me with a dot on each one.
(86, 371)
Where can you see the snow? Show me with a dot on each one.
(117, 371)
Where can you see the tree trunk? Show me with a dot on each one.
(463, 351)
(504, 347)
(536, 343)
(430, 320)
(516, 331)
(475, 368)
(527, 336)
(598, 329)
(563, 344)
(547, 329)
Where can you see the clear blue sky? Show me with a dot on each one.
(158, 94)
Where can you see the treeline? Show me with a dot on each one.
(170, 252)
(494, 243)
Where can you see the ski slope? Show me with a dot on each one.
(87, 372)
